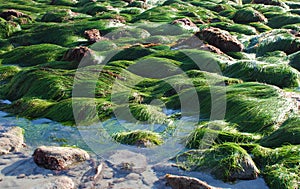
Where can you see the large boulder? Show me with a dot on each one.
(58, 158)
(221, 39)
(11, 140)
(77, 54)
(93, 35)
(184, 182)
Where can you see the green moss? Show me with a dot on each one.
(92, 8)
(138, 136)
(33, 55)
(141, 113)
(7, 28)
(288, 133)
(40, 83)
(256, 108)
(7, 72)
(238, 28)
(280, 166)
(280, 75)
(132, 53)
(59, 15)
(247, 15)
(276, 40)
(156, 14)
(217, 132)
(295, 60)
(224, 161)
(5, 45)
(283, 19)
(260, 27)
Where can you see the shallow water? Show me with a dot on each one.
(46, 132)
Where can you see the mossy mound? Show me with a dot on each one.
(287, 134)
(61, 15)
(281, 40)
(283, 20)
(216, 132)
(7, 72)
(255, 107)
(226, 161)
(295, 60)
(237, 28)
(247, 15)
(140, 138)
(280, 75)
(280, 167)
(33, 55)
(40, 83)
(142, 113)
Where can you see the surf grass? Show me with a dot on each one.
(33, 55)
(280, 75)
(256, 108)
(222, 161)
(287, 134)
(134, 137)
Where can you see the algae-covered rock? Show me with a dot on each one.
(283, 20)
(280, 166)
(59, 15)
(288, 133)
(59, 158)
(33, 55)
(227, 161)
(280, 75)
(7, 72)
(247, 15)
(7, 28)
(295, 60)
(139, 138)
(256, 108)
(237, 28)
(216, 132)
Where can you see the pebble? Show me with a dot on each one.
(20, 176)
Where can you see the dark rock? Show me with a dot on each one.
(58, 158)
(9, 14)
(77, 54)
(12, 140)
(221, 39)
(184, 182)
(93, 35)
(185, 22)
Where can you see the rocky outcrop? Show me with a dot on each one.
(58, 158)
(184, 182)
(185, 22)
(93, 35)
(9, 14)
(11, 140)
(220, 39)
(77, 54)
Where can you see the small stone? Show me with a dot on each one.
(21, 176)
(133, 176)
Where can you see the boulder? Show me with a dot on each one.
(77, 54)
(58, 158)
(184, 182)
(221, 39)
(93, 35)
(9, 14)
(11, 140)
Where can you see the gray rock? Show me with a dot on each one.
(11, 141)
(58, 158)
(184, 182)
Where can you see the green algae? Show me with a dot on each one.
(138, 136)
(33, 55)
(7, 28)
(280, 75)
(7, 72)
(223, 161)
(287, 134)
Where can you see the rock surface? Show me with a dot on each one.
(58, 158)
(221, 39)
(9, 14)
(77, 54)
(11, 140)
(184, 182)
(92, 35)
